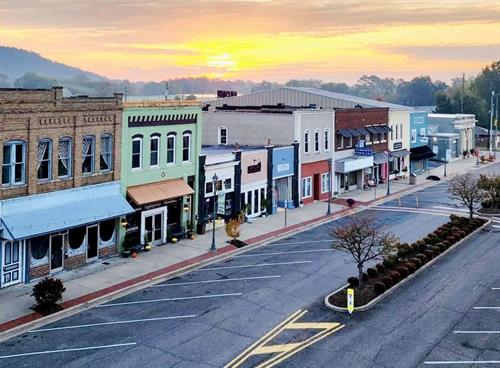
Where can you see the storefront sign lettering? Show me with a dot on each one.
(283, 167)
(254, 168)
(131, 229)
(397, 145)
(221, 202)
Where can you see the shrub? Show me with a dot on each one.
(423, 258)
(421, 245)
(403, 271)
(379, 287)
(372, 272)
(411, 267)
(353, 282)
(435, 249)
(447, 243)
(389, 262)
(416, 261)
(387, 280)
(350, 202)
(365, 277)
(48, 292)
(402, 252)
(429, 254)
(442, 247)
(461, 233)
(380, 268)
(395, 276)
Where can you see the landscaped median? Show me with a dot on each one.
(405, 263)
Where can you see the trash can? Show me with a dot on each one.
(413, 179)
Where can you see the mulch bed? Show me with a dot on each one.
(237, 243)
(362, 296)
(48, 309)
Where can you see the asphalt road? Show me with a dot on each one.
(209, 316)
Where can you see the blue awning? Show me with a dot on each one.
(39, 214)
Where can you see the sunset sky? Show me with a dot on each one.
(332, 40)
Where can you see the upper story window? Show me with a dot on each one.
(222, 135)
(368, 138)
(422, 132)
(44, 159)
(396, 132)
(170, 149)
(154, 150)
(14, 163)
(316, 141)
(400, 131)
(136, 153)
(106, 162)
(340, 141)
(88, 154)
(349, 142)
(327, 140)
(64, 158)
(186, 147)
(306, 141)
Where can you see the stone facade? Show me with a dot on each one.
(31, 115)
(39, 271)
(107, 251)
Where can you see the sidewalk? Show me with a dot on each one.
(114, 274)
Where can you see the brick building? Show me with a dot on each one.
(60, 196)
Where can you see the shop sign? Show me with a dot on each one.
(254, 168)
(151, 206)
(131, 229)
(397, 145)
(283, 167)
(361, 150)
(221, 202)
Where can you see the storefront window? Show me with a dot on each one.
(44, 158)
(76, 236)
(209, 187)
(227, 183)
(106, 230)
(39, 246)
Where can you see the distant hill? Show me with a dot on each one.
(14, 63)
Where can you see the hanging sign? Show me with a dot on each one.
(221, 202)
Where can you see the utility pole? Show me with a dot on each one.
(463, 94)
(491, 121)
(495, 128)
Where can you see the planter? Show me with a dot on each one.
(126, 253)
(389, 291)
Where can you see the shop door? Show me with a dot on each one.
(153, 228)
(56, 253)
(11, 263)
(92, 243)
(316, 187)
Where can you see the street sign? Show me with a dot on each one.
(350, 300)
(221, 202)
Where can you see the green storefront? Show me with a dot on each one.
(161, 143)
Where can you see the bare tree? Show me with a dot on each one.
(491, 186)
(466, 189)
(363, 240)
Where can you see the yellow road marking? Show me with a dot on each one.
(284, 351)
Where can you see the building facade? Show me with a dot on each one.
(461, 124)
(399, 142)
(419, 142)
(160, 149)
(59, 201)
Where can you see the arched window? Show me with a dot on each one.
(316, 140)
(186, 147)
(171, 149)
(137, 152)
(327, 140)
(88, 155)
(64, 158)
(14, 163)
(44, 159)
(306, 141)
(106, 161)
(222, 135)
(154, 150)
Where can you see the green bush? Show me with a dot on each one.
(380, 268)
(353, 282)
(435, 249)
(416, 261)
(395, 276)
(387, 280)
(372, 272)
(410, 266)
(423, 258)
(379, 288)
(403, 271)
(48, 292)
(429, 254)
(389, 262)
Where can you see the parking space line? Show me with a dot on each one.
(168, 300)
(480, 308)
(444, 362)
(220, 280)
(295, 243)
(113, 323)
(496, 226)
(68, 350)
(452, 209)
(495, 288)
(252, 265)
(476, 332)
(280, 253)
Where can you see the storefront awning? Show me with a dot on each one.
(354, 132)
(400, 153)
(384, 128)
(353, 163)
(421, 153)
(345, 133)
(372, 130)
(39, 214)
(380, 158)
(159, 191)
(363, 131)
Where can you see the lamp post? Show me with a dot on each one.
(214, 183)
(388, 179)
(329, 211)
(446, 155)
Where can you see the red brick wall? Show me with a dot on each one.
(39, 271)
(310, 169)
(75, 261)
(108, 251)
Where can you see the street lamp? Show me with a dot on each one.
(446, 156)
(388, 179)
(214, 183)
(329, 211)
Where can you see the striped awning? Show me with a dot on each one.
(345, 133)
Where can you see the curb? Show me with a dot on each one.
(382, 296)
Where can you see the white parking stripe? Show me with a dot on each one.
(479, 308)
(113, 323)
(451, 208)
(476, 332)
(252, 265)
(168, 300)
(309, 241)
(496, 226)
(495, 288)
(220, 280)
(280, 253)
(444, 362)
(68, 350)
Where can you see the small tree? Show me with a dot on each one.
(363, 240)
(490, 184)
(465, 188)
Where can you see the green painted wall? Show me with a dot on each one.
(147, 174)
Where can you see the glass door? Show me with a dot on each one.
(92, 242)
(56, 253)
(153, 228)
(11, 263)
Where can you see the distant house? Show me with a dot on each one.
(483, 136)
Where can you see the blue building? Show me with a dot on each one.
(284, 178)
(420, 151)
